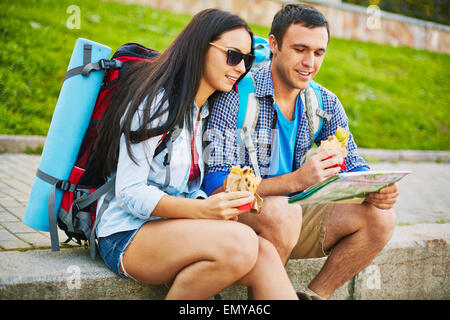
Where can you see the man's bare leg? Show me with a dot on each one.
(356, 234)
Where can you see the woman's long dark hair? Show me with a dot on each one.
(178, 70)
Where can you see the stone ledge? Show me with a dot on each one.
(20, 144)
(404, 155)
(414, 265)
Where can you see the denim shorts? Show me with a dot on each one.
(112, 248)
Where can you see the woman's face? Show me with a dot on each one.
(218, 75)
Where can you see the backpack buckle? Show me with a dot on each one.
(65, 186)
(75, 208)
(321, 113)
(166, 160)
(108, 64)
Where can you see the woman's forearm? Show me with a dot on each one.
(177, 207)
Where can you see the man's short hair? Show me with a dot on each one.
(302, 14)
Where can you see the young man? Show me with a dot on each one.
(351, 235)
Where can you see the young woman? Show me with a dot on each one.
(157, 229)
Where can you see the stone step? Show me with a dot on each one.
(414, 265)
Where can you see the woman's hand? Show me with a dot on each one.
(223, 205)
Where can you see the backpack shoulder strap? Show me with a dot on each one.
(320, 111)
(248, 104)
(245, 88)
(170, 135)
(107, 188)
(312, 97)
(247, 117)
(167, 141)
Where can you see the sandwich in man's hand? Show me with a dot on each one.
(337, 142)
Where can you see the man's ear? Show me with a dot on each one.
(273, 44)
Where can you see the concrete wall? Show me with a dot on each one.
(414, 265)
(346, 20)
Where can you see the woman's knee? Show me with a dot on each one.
(238, 249)
(268, 264)
(231, 246)
(267, 253)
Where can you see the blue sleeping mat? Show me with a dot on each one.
(70, 120)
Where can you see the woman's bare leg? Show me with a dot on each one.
(201, 257)
(279, 222)
(268, 280)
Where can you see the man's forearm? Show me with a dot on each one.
(276, 186)
(220, 189)
(280, 185)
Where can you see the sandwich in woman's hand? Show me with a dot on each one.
(244, 179)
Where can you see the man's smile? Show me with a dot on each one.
(304, 74)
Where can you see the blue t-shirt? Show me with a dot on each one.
(282, 161)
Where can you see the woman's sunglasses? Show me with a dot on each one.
(235, 57)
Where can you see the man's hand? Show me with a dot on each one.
(385, 198)
(318, 168)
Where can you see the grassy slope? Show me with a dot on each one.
(396, 98)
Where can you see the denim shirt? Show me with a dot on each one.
(139, 187)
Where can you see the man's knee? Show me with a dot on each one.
(381, 224)
(281, 222)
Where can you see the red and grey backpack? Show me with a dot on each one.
(77, 215)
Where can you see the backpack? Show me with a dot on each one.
(249, 105)
(77, 214)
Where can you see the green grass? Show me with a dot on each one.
(396, 98)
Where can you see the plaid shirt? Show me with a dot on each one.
(221, 130)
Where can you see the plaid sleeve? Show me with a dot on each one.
(333, 106)
(221, 151)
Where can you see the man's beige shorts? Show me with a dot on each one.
(314, 228)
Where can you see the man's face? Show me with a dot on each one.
(300, 56)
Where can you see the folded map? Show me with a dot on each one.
(349, 187)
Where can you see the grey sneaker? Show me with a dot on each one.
(305, 296)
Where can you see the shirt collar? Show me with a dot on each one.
(264, 83)
(204, 112)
